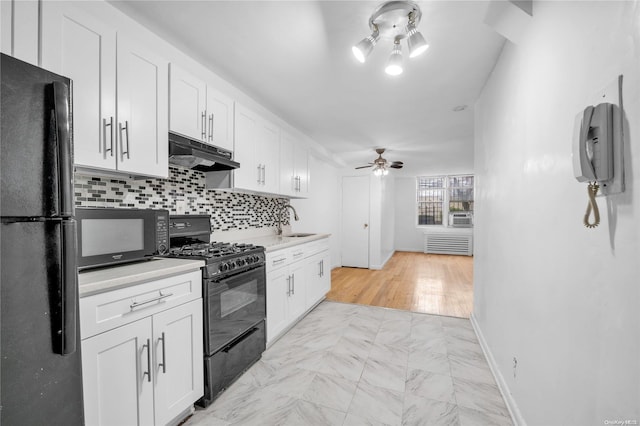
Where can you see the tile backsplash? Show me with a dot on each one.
(183, 192)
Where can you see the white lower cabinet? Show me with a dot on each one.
(148, 371)
(297, 279)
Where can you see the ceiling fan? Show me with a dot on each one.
(381, 165)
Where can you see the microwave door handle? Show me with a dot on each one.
(61, 104)
(68, 288)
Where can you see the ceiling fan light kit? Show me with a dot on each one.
(381, 166)
(393, 20)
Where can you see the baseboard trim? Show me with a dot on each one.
(378, 267)
(514, 411)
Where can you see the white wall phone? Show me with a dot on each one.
(597, 149)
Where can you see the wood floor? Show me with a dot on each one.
(430, 283)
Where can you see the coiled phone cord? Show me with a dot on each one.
(592, 190)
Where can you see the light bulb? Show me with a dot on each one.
(377, 172)
(394, 65)
(417, 44)
(385, 172)
(365, 46)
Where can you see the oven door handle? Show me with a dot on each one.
(239, 339)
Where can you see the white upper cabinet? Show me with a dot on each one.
(294, 167)
(198, 111)
(142, 110)
(19, 29)
(256, 148)
(130, 136)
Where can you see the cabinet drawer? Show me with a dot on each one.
(315, 247)
(277, 260)
(105, 311)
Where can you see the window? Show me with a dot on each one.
(439, 195)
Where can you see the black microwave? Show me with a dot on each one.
(113, 236)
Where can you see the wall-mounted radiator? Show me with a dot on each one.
(448, 243)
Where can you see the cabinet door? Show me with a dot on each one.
(298, 294)
(278, 288)
(301, 172)
(249, 175)
(117, 369)
(83, 48)
(187, 104)
(142, 135)
(269, 156)
(19, 23)
(325, 274)
(287, 182)
(314, 278)
(178, 362)
(219, 119)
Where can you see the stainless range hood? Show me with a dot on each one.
(196, 155)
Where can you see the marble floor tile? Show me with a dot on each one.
(482, 397)
(358, 365)
(384, 374)
(377, 404)
(342, 365)
(472, 369)
(430, 385)
(308, 414)
(353, 420)
(420, 411)
(470, 417)
(426, 360)
(330, 391)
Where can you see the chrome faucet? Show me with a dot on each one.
(283, 208)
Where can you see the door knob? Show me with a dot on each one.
(366, 225)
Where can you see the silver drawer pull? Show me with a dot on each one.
(146, 302)
(276, 261)
(298, 254)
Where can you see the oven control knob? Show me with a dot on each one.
(249, 260)
(224, 267)
(232, 265)
(240, 262)
(256, 258)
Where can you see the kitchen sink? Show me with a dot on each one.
(298, 235)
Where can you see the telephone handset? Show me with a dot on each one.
(593, 153)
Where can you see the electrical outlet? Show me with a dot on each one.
(181, 206)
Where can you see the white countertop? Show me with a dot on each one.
(106, 279)
(278, 242)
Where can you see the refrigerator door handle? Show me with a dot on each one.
(68, 288)
(62, 99)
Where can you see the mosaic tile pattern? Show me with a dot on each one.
(348, 365)
(183, 192)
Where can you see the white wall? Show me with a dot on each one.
(387, 225)
(407, 236)
(564, 300)
(320, 213)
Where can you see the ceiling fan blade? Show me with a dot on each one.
(364, 167)
(397, 162)
(396, 166)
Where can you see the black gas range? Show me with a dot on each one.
(234, 300)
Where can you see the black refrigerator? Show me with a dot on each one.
(41, 370)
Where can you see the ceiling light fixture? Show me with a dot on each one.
(393, 20)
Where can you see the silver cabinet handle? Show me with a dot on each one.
(148, 372)
(204, 125)
(264, 174)
(164, 355)
(277, 261)
(259, 174)
(211, 127)
(320, 268)
(126, 132)
(289, 285)
(104, 135)
(298, 254)
(293, 284)
(146, 302)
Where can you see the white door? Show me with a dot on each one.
(142, 110)
(187, 104)
(117, 370)
(219, 119)
(83, 48)
(355, 221)
(178, 366)
(277, 300)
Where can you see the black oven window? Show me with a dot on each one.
(238, 297)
